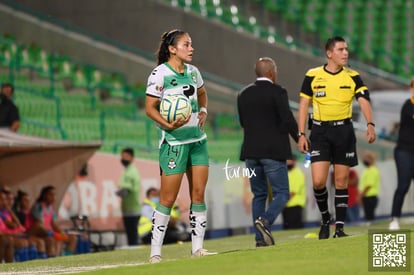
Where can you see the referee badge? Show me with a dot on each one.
(171, 163)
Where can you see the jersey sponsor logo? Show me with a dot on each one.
(317, 87)
(173, 82)
(188, 90)
(345, 87)
(320, 94)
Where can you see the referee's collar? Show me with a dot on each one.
(264, 79)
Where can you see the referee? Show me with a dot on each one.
(330, 88)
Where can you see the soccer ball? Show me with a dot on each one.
(173, 107)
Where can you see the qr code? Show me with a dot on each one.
(390, 250)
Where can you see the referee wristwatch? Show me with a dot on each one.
(301, 134)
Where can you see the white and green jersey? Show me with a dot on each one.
(163, 81)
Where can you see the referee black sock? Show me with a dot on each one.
(321, 196)
(341, 206)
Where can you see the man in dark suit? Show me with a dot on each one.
(267, 121)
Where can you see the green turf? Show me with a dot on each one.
(292, 254)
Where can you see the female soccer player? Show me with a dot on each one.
(183, 143)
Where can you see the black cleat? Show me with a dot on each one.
(261, 243)
(262, 226)
(324, 231)
(340, 233)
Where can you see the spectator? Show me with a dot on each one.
(11, 227)
(404, 158)
(9, 195)
(45, 226)
(352, 215)
(293, 212)
(176, 230)
(369, 187)
(129, 192)
(9, 113)
(21, 208)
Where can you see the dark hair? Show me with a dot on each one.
(412, 82)
(167, 39)
(330, 43)
(129, 151)
(7, 85)
(151, 189)
(18, 199)
(43, 193)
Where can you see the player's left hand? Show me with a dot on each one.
(370, 135)
(202, 118)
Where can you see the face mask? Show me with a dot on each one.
(366, 163)
(125, 162)
(155, 200)
(289, 167)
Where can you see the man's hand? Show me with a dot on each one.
(303, 145)
(370, 134)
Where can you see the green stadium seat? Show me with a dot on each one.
(63, 68)
(79, 77)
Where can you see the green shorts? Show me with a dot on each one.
(175, 159)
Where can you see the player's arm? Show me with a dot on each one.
(362, 96)
(304, 104)
(202, 106)
(151, 109)
(367, 112)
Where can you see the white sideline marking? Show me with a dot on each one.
(68, 270)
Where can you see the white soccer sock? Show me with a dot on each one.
(159, 227)
(198, 223)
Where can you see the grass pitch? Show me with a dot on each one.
(292, 254)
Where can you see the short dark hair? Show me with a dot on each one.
(151, 189)
(129, 151)
(330, 43)
(7, 85)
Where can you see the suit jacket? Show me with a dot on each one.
(267, 121)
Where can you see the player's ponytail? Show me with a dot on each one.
(167, 39)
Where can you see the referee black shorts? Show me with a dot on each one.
(334, 143)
